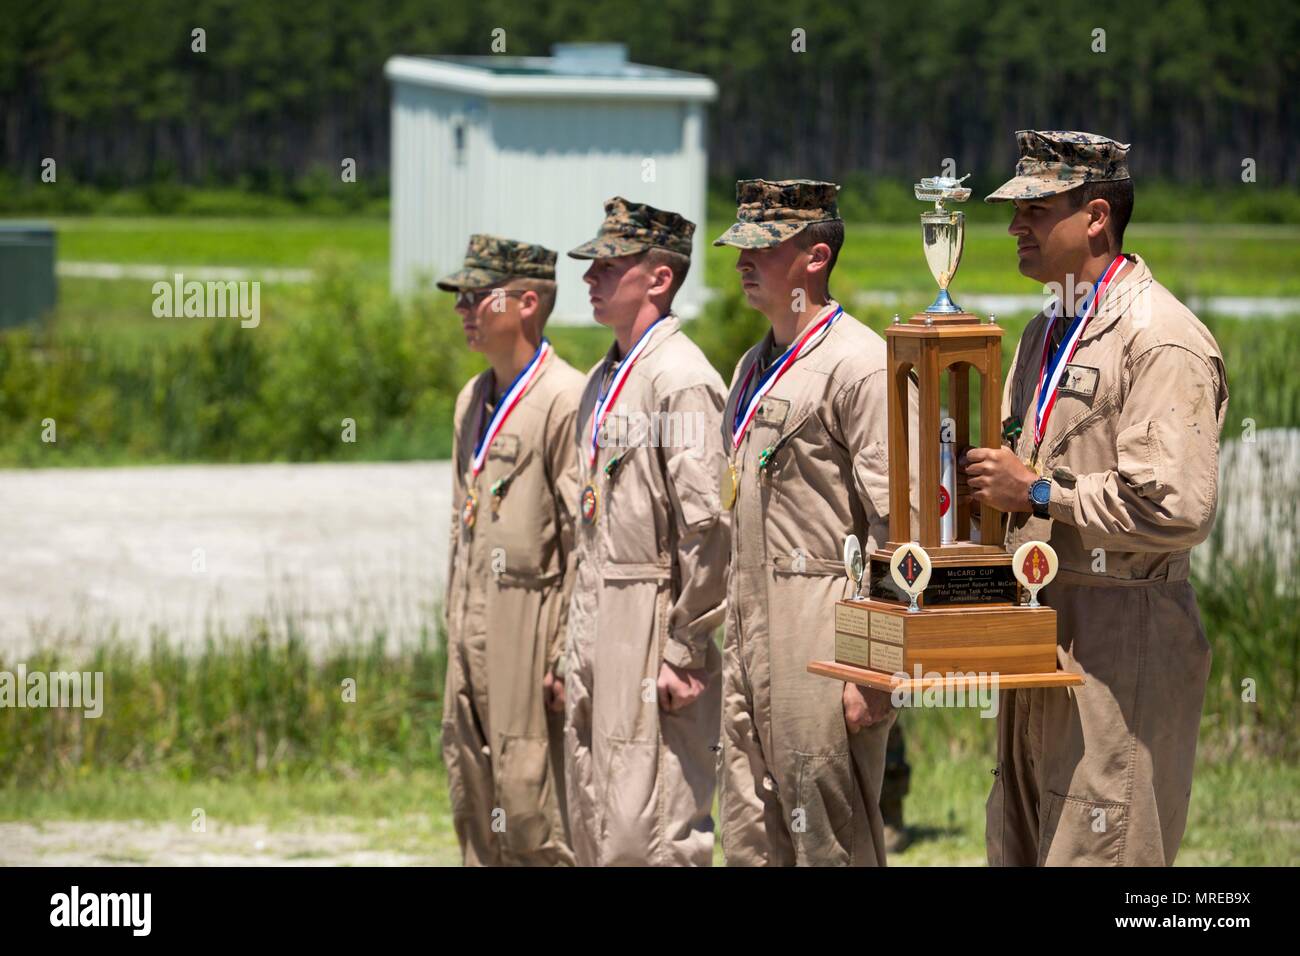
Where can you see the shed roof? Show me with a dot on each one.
(578, 70)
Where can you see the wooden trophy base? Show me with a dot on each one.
(972, 631)
(865, 677)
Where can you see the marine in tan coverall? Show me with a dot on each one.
(642, 688)
(1102, 774)
(803, 756)
(508, 578)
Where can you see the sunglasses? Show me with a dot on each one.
(471, 300)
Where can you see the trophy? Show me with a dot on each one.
(936, 600)
(943, 233)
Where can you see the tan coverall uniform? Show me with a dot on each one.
(650, 587)
(797, 787)
(508, 584)
(1102, 774)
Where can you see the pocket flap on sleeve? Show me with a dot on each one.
(1141, 457)
(694, 474)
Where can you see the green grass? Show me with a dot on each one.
(1189, 259)
(155, 797)
(1244, 810)
(1204, 260)
(407, 812)
(281, 242)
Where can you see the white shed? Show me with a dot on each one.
(531, 147)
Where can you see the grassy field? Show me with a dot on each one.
(1243, 813)
(192, 240)
(1202, 259)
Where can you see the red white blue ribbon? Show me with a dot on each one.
(507, 405)
(1049, 378)
(811, 336)
(606, 401)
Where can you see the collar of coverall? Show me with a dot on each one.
(665, 326)
(487, 384)
(768, 343)
(1117, 301)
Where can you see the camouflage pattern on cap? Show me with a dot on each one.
(491, 259)
(1054, 161)
(769, 213)
(630, 228)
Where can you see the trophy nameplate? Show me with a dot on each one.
(950, 585)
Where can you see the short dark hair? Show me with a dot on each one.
(1118, 195)
(831, 232)
(545, 290)
(677, 262)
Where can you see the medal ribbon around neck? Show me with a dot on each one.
(1049, 379)
(606, 401)
(507, 405)
(810, 337)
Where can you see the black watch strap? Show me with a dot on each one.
(1040, 510)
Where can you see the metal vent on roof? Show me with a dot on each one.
(589, 58)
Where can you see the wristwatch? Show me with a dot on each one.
(1040, 493)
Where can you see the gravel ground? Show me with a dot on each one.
(89, 551)
(135, 843)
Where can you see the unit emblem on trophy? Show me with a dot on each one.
(1034, 564)
(910, 567)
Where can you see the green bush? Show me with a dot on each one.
(277, 392)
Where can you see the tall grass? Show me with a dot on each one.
(261, 704)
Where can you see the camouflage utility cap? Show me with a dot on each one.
(491, 259)
(630, 228)
(769, 213)
(1053, 161)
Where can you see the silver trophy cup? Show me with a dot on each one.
(943, 233)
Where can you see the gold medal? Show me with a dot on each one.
(469, 510)
(727, 483)
(589, 504)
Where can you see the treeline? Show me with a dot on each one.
(117, 94)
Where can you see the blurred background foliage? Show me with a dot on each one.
(258, 123)
(341, 347)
